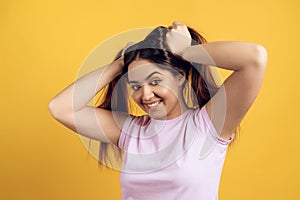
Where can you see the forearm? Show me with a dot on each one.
(77, 95)
(229, 55)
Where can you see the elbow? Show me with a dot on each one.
(53, 109)
(58, 110)
(261, 57)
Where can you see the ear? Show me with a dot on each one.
(181, 79)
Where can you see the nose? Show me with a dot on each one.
(147, 93)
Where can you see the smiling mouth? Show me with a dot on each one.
(152, 105)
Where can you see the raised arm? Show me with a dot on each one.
(248, 61)
(70, 107)
(238, 92)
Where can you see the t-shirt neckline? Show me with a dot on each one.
(181, 116)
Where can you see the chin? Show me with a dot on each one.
(158, 114)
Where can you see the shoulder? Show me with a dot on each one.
(131, 126)
(202, 116)
(137, 121)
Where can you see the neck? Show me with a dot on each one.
(183, 105)
(181, 108)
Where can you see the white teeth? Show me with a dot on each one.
(153, 104)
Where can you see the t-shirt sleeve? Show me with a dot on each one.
(131, 125)
(204, 122)
(125, 128)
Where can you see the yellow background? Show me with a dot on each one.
(43, 44)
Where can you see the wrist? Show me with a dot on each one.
(183, 53)
(117, 66)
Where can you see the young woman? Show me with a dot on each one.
(177, 149)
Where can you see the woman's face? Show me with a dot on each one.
(155, 90)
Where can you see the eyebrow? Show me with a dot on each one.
(149, 76)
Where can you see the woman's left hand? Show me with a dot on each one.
(178, 38)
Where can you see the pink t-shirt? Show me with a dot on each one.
(181, 158)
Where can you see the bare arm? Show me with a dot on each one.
(239, 90)
(70, 107)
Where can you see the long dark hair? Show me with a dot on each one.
(154, 48)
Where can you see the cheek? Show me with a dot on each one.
(164, 92)
(167, 95)
(168, 90)
(136, 96)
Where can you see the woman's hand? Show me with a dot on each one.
(120, 56)
(178, 38)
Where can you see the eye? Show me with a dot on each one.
(135, 87)
(155, 82)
